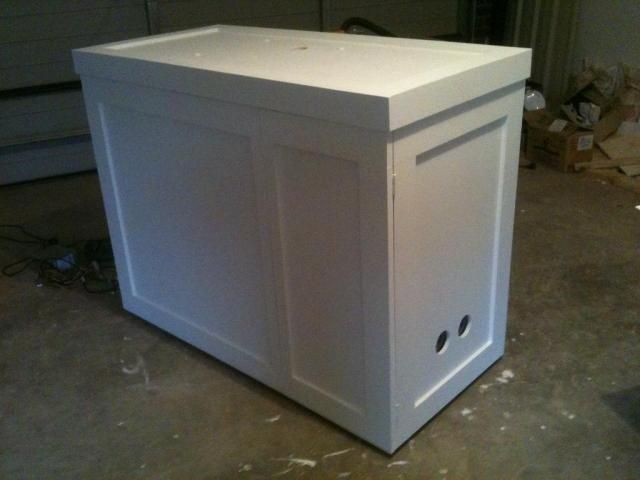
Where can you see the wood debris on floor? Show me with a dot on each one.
(621, 173)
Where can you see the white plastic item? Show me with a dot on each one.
(316, 209)
(533, 100)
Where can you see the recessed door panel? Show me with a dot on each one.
(319, 215)
(446, 251)
(187, 203)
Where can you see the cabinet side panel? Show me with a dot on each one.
(456, 178)
(455, 192)
(318, 206)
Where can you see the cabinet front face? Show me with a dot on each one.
(455, 180)
(261, 238)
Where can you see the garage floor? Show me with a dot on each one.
(563, 403)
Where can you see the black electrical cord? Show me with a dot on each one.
(22, 265)
(49, 270)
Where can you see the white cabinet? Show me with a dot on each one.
(317, 210)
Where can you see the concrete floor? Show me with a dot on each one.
(572, 410)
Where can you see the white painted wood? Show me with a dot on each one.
(366, 365)
(319, 217)
(455, 193)
(211, 201)
(310, 246)
(314, 77)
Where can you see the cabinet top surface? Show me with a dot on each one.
(368, 65)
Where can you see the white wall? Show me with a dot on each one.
(607, 32)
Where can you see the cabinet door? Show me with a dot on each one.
(456, 178)
(183, 193)
(330, 201)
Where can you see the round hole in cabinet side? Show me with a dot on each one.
(464, 326)
(442, 342)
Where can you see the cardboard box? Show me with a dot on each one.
(608, 123)
(556, 141)
(588, 87)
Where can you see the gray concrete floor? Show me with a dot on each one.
(572, 410)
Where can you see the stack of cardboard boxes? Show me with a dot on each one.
(592, 111)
